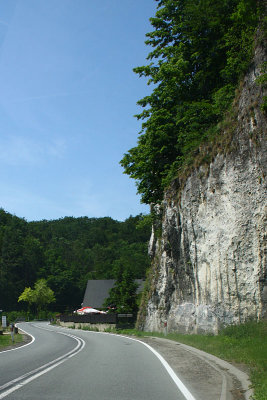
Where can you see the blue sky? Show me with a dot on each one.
(67, 99)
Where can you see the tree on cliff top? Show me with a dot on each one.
(200, 49)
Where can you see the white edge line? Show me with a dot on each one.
(24, 345)
(171, 372)
(183, 389)
(57, 362)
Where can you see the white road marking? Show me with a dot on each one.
(36, 373)
(20, 347)
(30, 376)
(183, 389)
(171, 372)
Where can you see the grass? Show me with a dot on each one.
(5, 340)
(241, 344)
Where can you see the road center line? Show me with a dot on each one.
(43, 369)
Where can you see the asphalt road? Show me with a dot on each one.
(65, 364)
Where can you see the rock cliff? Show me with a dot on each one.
(209, 259)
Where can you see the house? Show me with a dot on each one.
(97, 291)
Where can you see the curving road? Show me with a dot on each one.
(64, 364)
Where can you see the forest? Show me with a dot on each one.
(200, 49)
(66, 253)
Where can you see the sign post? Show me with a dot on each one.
(165, 328)
(4, 324)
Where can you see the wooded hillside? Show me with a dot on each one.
(67, 252)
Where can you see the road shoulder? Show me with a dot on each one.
(25, 340)
(208, 377)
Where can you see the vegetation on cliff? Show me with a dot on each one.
(201, 49)
(66, 253)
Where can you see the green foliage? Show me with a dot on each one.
(41, 295)
(122, 296)
(262, 81)
(264, 104)
(90, 328)
(17, 269)
(12, 316)
(5, 340)
(199, 51)
(27, 295)
(66, 253)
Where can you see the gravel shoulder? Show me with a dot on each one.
(207, 377)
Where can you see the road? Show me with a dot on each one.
(65, 364)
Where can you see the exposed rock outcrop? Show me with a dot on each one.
(209, 262)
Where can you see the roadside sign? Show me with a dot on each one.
(4, 325)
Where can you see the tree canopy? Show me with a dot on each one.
(66, 253)
(41, 295)
(200, 48)
(123, 297)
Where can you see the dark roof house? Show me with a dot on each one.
(98, 290)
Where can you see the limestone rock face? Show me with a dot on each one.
(209, 263)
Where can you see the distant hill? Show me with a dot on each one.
(67, 252)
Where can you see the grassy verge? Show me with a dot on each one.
(5, 340)
(244, 344)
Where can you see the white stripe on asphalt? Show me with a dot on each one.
(20, 347)
(48, 367)
(183, 389)
(171, 372)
